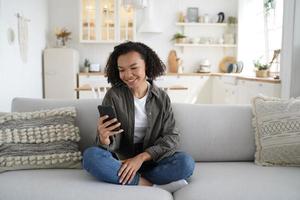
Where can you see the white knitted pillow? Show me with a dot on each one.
(277, 131)
(41, 139)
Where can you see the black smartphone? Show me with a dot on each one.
(107, 110)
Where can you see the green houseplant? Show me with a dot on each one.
(269, 5)
(86, 65)
(261, 68)
(178, 37)
(232, 20)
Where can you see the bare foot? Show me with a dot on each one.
(144, 182)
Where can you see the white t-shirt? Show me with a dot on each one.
(140, 117)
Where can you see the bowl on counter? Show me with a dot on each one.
(204, 66)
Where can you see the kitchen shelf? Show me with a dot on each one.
(205, 45)
(99, 42)
(201, 24)
(213, 40)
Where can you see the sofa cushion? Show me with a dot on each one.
(216, 132)
(277, 125)
(241, 180)
(86, 114)
(40, 139)
(69, 184)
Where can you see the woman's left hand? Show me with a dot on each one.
(129, 168)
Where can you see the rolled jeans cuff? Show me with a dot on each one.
(135, 180)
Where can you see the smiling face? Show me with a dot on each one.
(132, 70)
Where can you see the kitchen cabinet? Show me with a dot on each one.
(218, 91)
(224, 90)
(195, 89)
(249, 89)
(106, 21)
(233, 90)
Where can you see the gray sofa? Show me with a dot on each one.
(219, 137)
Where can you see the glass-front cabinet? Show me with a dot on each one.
(106, 21)
(127, 24)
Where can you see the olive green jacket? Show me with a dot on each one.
(162, 137)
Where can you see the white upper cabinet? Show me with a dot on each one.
(127, 23)
(106, 21)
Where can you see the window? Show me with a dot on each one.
(273, 35)
(260, 32)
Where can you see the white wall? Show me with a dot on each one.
(165, 11)
(18, 79)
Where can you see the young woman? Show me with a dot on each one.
(139, 146)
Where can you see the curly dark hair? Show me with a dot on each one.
(154, 66)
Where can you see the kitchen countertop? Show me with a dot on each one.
(87, 87)
(238, 76)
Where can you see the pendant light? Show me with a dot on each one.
(149, 24)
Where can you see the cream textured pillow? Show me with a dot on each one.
(277, 131)
(41, 139)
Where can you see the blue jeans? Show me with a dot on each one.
(104, 166)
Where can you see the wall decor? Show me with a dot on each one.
(192, 14)
(23, 36)
(10, 36)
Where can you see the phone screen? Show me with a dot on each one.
(107, 110)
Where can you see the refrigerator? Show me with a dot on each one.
(60, 68)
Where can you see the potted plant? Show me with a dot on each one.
(86, 66)
(178, 37)
(231, 20)
(269, 5)
(261, 69)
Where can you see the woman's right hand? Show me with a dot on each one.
(106, 129)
